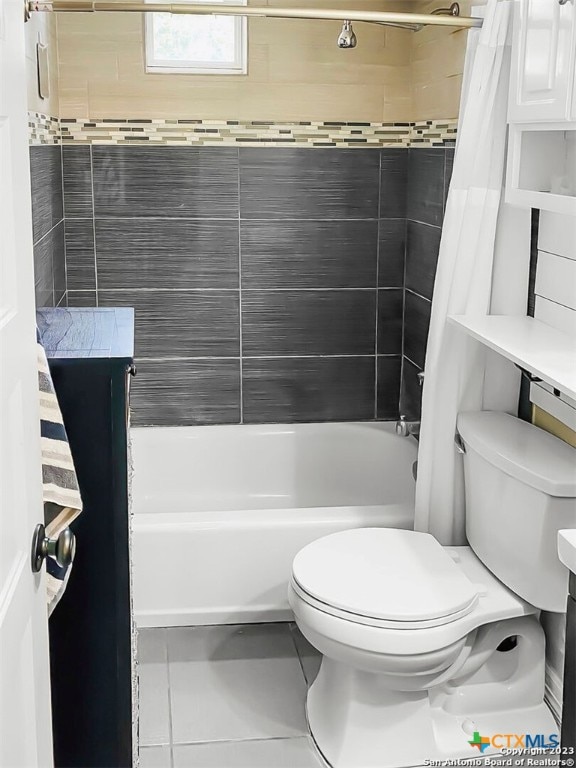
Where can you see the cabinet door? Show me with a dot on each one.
(542, 60)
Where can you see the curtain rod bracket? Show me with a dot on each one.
(33, 6)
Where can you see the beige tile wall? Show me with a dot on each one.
(296, 72)
(42, 28)
(437, 63)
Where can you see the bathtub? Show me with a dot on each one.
(220, 512)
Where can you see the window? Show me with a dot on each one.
(196, 44)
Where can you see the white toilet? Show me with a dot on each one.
(427, 648)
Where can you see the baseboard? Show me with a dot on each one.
(553, 693)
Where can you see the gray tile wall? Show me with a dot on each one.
(48, 225)
(269, 284)
(429, 172)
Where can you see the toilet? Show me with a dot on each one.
(428, 650)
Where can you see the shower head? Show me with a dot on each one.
(347, 38)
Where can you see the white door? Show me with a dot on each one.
(543, 60)
(25, 717)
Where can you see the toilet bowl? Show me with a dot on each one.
(399, 683)
(427, 648)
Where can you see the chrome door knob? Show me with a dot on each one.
(61, 549)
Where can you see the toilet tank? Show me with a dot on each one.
(520, 490)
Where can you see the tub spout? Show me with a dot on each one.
(406, 428)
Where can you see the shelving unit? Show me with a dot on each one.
(540, 349)
(542, 167)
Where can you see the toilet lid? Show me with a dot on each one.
(384, 573)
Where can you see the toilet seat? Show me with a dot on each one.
(384, 577)
(381, 636)
(369, 621)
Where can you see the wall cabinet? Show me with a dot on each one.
(543, 82)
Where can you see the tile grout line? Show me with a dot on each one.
(52, 228)
(419, 295)
(377, 289)
(170, 730)
(250, 220)
(447, 180)
(405, 357)
(94, 224)
(424, 223)
(240, 338)
(64, 225)
(236, 290)
(266, 357)
(403, 314)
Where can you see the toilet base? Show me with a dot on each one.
(357, 721)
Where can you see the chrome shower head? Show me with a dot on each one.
(347, 38)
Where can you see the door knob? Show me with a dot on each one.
(61, 549)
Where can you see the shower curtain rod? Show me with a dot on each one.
(379, 17)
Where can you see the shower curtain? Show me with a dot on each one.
(455, 363)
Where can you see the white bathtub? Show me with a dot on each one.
(220, 512)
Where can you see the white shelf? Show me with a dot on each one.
(542, 157)
(567, 548)
(544, 351)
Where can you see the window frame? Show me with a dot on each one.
(191, 67)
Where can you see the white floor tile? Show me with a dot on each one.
(151, 645)
(155, 757)
(274, 753)
(153, 681)
(310, 657)
(235, 683)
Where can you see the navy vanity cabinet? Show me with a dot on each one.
(90, 354)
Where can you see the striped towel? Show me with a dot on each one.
(62, 501)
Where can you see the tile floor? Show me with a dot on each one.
(225, 697)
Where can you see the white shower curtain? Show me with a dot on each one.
(455, 364)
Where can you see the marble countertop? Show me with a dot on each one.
(80, 332)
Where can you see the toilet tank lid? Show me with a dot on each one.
(521, 450)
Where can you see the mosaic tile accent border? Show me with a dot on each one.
(431, 133)
(43, 129)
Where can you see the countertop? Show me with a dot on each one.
(79, 332)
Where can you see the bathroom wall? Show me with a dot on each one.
(48, 225)
(42, 28)
(267, 283)
(295, 72)
(550, 299)
(45, 168)
(429, 172)
(283, 267)
(437, 63)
